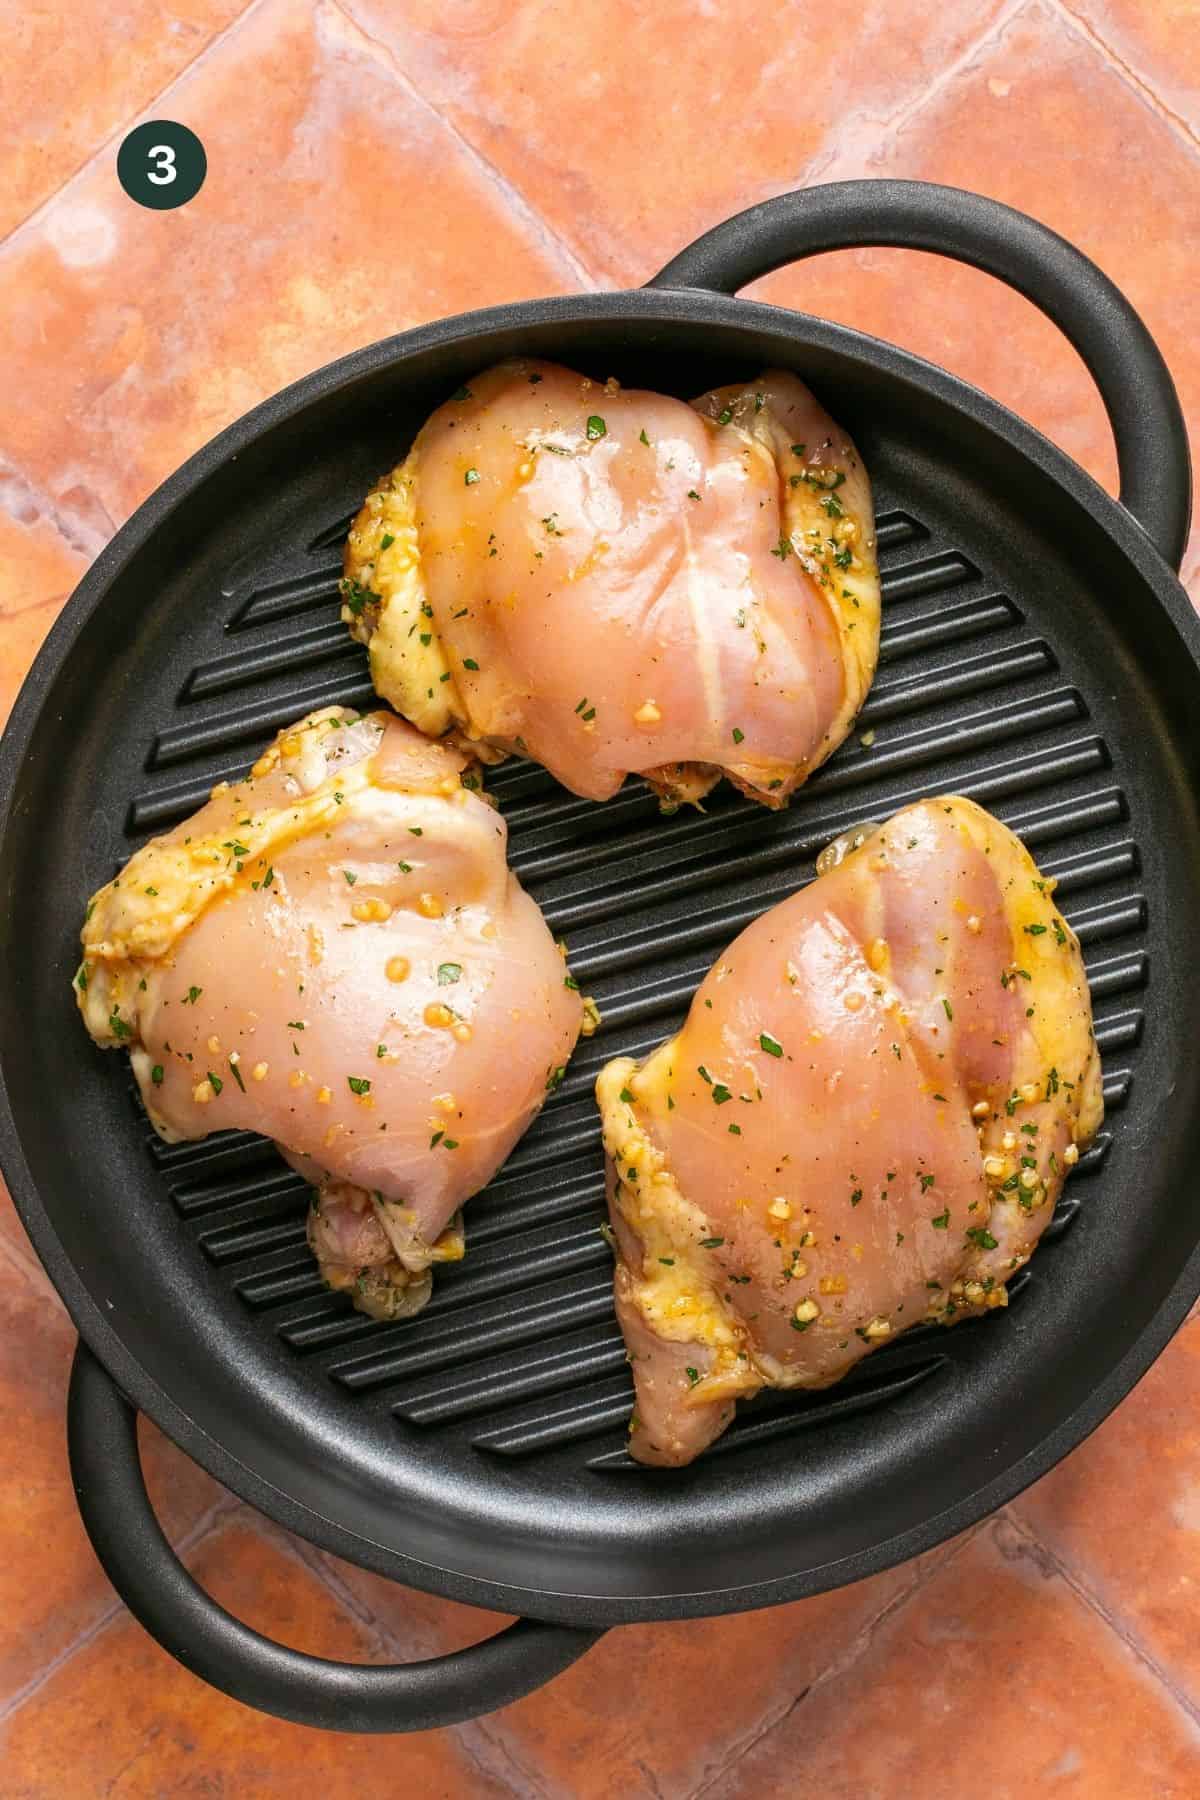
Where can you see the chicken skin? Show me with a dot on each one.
(615, 582)
(333, 952)
(863, 1124)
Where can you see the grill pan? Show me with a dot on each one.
(1038, 655)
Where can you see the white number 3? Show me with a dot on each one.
(166, 171)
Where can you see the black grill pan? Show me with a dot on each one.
(1038, 655)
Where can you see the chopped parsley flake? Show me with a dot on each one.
(596, 428)
(358, 1084)
(356, 596)
(771, 1045)
(942, 1221)
(471, 477)
(448, 973)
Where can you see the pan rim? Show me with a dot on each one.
(662, 306)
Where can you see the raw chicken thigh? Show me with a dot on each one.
(333, 952)
(864, 1122)
(612, 581)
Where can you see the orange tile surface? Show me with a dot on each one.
(95, 65)
(997, 1673)
(633, 128)
(377, 163)
(339, 209)
(1028, 87)
(1141, 1468)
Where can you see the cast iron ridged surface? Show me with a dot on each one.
(518, 1347)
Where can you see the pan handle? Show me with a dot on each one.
(157, 1589)
(1135, 386)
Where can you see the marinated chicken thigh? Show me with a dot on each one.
(612, 581)
(334, 953)
(864, 1122)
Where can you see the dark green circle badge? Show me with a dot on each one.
(162, 164)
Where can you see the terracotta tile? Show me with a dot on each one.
(141, 1726)
(1124, 1510)
(37, 564)
(51, 1587)
(655, 1710)
(62, 92)
(38, 570)
(417, 1625)
(1157, 41)
(20, 640)
(996, 1675)
(605, 116)
(15, 1242)
(1190, 571)
(338, 209)
(1044, 123)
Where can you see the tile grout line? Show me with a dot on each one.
(109, 1614)
(26, 1266)
(1041, 1553)
(999, 25)
(73, 530)
(382, 54)
(859, 1647)
(1127, 73)
(34, 218)
(824, 166)
(315, 1561)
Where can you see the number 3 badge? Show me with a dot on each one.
(162, 164)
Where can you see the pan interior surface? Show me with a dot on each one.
(479, 1448)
